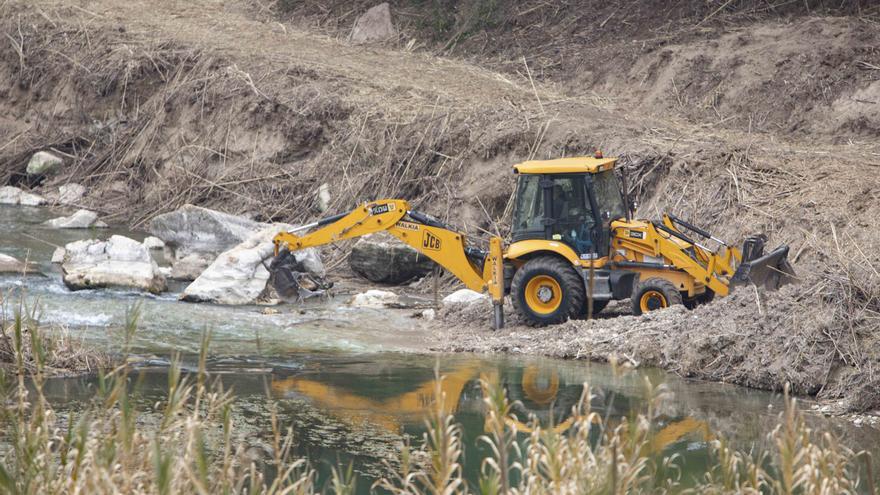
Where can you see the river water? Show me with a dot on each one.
(350, 382)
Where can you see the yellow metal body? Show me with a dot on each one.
(636, 245)
(445, 247)
(690, 267)
(573, 165)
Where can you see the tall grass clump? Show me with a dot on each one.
(189, 446)
(24, 345)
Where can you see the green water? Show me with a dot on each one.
(347, 381)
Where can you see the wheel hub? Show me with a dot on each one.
(545, 294)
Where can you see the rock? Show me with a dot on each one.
(82, 219)
(464, 296)
(71, 193)
(117, 262)
(324, 197)
(373, 25)
(58, 255)
(10, 265)
(190, 266)
(239, 275)
(165, 271)
(153, 243)
(43, 163)
(375, 299)
(28, 199)
(14, 196)
(193, 229)
(429, 314)
(381, 258)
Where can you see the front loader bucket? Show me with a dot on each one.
(770, 271)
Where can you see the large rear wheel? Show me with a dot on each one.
(547, 290)
(653, 294)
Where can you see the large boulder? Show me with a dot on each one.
(10, 265)
(10, 195)
(82, 219)
(69, 194)
(43, 163)
(373, 25)
(382, 258)
(118, 262)
(193, 229)
(240, 275)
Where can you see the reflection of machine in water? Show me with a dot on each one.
(537, 392)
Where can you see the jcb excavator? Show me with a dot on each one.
(574, 247)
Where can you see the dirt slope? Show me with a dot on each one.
(217, 103)
(799, 68)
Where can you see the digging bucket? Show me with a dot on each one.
(770, 271)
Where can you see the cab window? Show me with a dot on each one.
(572, 213)
(528, 213)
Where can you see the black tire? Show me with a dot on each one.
(543, 275)
(655, 293)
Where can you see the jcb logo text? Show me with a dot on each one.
(430, 241)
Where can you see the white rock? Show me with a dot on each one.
(464, 296)
(82, 219)
(324, 197)
(10, 265)
(14, 196)
(43, 163)
(28, 199)
(239, 276)
(153, 243)
(117, 262)
(373, 25)
(429, 314)
(58, 255)
(165, 271)
(71, 193)
(374, 299)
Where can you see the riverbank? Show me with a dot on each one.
(752, 338)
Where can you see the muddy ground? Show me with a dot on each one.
(752, 338)
(744, 117)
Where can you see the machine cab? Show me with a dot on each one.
(570, 200)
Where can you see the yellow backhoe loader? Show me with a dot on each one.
(574, 247)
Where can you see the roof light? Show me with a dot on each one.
(598, 154)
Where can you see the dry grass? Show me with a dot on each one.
(26, 347)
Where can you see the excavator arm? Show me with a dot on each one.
(479, 270)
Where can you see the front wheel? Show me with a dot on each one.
(546, 291)
(653, 294)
